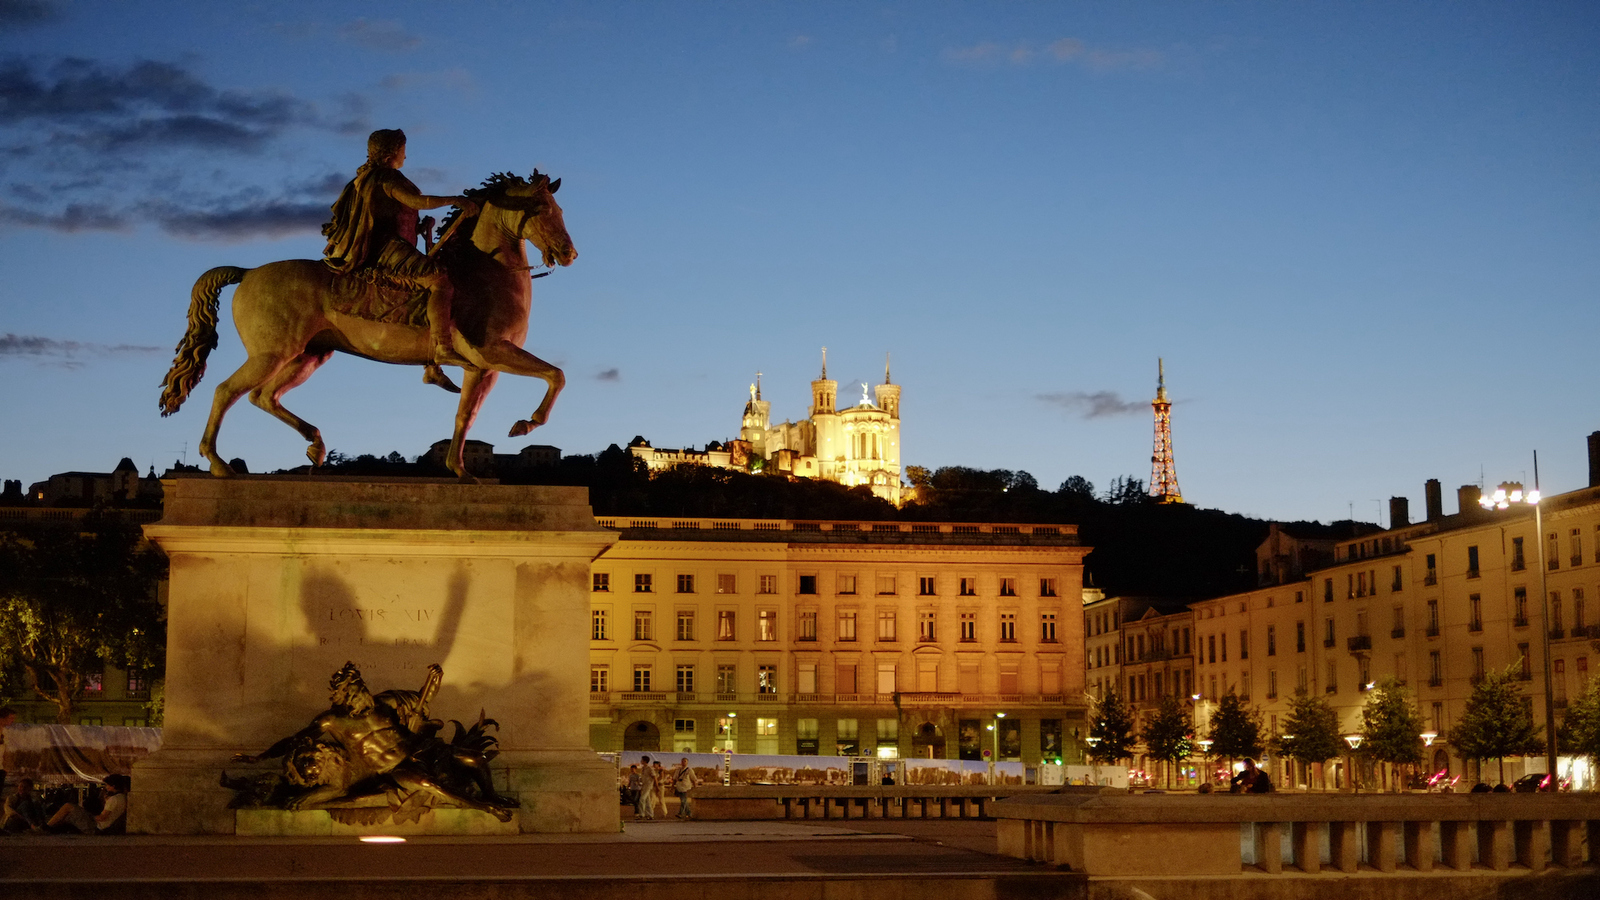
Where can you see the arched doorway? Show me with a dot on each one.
(1441, 760)
(927, 742)
(642, 736)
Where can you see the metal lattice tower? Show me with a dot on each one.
(1163, 472)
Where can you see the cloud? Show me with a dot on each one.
(25, 13)
(1062, 51)
(609, 375)
(1096, 404)
(380, 34)
(95, 146)
(47, 349)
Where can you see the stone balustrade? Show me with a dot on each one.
(809, 801)
(1114, 833)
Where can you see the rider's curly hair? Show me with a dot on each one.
(383, 144)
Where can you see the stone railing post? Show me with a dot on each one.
(1566, 843)
(1455, 840)
(1381, 845)
(1306, 840)
(1269, 847)
(1343, 853)
(1494, 845)
(1420, 847)
(1532, 841)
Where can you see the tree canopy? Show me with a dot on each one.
(1311, 730)
(1168, 734)
(1235, 729)
(1112, 730)
(1391, 726)
(1580, 729)
(74, 598)
(1497, 721)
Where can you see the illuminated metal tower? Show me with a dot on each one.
(1163, 473)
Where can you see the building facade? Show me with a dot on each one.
(858, 445)
(839, 638)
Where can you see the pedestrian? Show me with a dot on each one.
(683, 781)
(663, 782)
(630, 788)
(23, 811)
(642, 807)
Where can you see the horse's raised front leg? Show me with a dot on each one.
(475, 385)
(269, 395)
(255, 371)
(505, 356)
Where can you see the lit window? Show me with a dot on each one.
(602, 583)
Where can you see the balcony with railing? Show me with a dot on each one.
(1398, 633)
(1433, 630)
(1359, 643)
(1431, 578)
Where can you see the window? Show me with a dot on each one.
(806, 678)
(1397, 626)
(766, 679)
(1432, 576)
(1524, 663)
(886, 623)
(1272, 684)
(886, 678)
(1272, 640)
(807, 630)
(1397, 583)
(597, 626)
(885, 584)
(767, 625)
(642, 584)
(769, 584)
(1551, 556)
(1331, 686)
(1477, 664)
(888, 738)
(1008, 587)
(1008, 627)
(1047, 587)
(1400, 673)
(1577, 610)
(726, 625)
(686, 679)
(727, 679)
(845, 681)
(847, 627)
(599, 679)
(1186, 642)
(1435, 669)
(1244, 644)
(1518, 561)
(727, 584)
(683, 735)
(685, 624)
(641, 678)
(1576, 546)
(1433, 618)
(969, 587)
(1555, 614)
(1328, 639)
(1519, 607)
(1047, 627)
(767, 736)
(1211, 643)
(847, 584)
(808, 584)
(602, 583)
(727, 737)
(969, 627)
(643, 625)
(1224, 646)
(849, 742)
(1472, 562)
(1438, 716)
(1299, 637)
(138, 684)
(1327, 590)
(927, 622)
(685, 584)
(926, 586)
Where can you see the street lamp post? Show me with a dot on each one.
(1354, 740)
(1506, 494)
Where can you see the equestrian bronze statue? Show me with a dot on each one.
(293, 315)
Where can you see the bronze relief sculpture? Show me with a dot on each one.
(371, 757)
(466, 302)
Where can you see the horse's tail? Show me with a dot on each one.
(189, 362)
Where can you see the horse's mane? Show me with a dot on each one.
(496, 183)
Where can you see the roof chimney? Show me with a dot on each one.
(1594, 459)
(1435, 499)
(1467, 497)
(1399, 512)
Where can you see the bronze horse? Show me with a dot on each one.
(289, 327)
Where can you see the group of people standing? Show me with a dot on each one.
(647, 785)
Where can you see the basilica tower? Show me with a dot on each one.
(888, 396)
(826, 431)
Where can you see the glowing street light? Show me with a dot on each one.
(1354, 740)
(1506, 494)
(1428, 737)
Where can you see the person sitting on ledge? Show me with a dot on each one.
(23, 810)
(1250, 780)
(111, 820)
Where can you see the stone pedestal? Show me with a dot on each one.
(277, 581)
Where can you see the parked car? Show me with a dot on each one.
(1529, 784)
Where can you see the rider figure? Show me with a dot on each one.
(375, 226)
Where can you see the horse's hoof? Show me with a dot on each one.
(221, 470)
(521, 428)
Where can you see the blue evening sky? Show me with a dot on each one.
(1362, 235)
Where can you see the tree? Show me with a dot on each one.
(1311, 730)
(1235, 729)
(1580, 729)
(1497, 722)
(1391, 726)
(1112, 730)
(1077, 486)
(1169, 734)
(1127, 491)
(75, 598)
